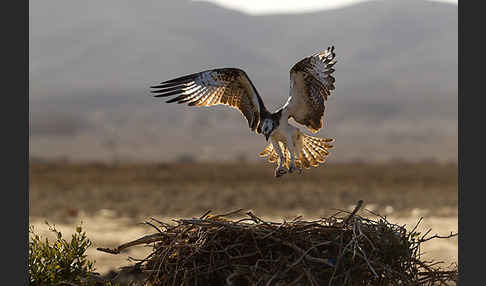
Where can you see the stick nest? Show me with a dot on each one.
(343, 249)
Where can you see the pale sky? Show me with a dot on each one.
(261, 7)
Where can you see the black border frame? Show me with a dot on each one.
(16, 141)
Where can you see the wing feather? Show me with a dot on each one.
(311, 83)
(227, 86)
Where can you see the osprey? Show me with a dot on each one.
(311, 83)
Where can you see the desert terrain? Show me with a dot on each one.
(111, 201)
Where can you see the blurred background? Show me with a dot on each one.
(92, 62)
(102, 146)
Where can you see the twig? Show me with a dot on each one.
(356, 208)
(438, 236)
(144, 240)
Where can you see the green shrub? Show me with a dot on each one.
(62, 262)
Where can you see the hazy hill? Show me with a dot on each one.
(91, 64)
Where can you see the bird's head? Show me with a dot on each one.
(267, 127)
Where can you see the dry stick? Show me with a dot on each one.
(172, 243)
(427, 232)
(167, 226)
(205, 214)
(230, 277)
(259, 220)
(274, 231)
(243, 219)
(415, 227)
(355, 241)
(364, 257)
(210, 222)
(303, 252)
(429, 271)
(438, 236)
(296, 218)
(356, 208)
(338, 260)
(296, 280)
(356, 226)
(367, 262)
(361, 234)
(154, 226)
(148, 257)
(271, 279)
(307, 251)
(228, 214)
(309, 276)
(144, 240)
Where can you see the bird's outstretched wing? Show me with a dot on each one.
(311, 82)
(228, 86)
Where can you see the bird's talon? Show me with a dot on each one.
(292, 169)
(280, 172)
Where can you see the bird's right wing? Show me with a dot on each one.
(311, 83)
(227, 86)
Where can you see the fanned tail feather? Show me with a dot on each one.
(312, 152)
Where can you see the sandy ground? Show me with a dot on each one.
(107, 229)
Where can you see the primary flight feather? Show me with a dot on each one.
(311, 83)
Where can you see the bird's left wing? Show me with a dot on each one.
(311, 83)
(227, 86)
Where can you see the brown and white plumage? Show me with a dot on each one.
(228, 86)
(310, 151)
(311, 83)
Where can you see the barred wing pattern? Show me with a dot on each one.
(309, 151)
(311, 83)
(227, 86)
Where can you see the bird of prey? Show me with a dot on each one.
(311, 83)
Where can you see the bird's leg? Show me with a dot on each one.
(281, 170)
(298, 150)
(291, 147)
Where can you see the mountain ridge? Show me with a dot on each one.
(396, 77)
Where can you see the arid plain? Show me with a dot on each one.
(112, 200)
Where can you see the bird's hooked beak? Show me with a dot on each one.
(266, 136)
